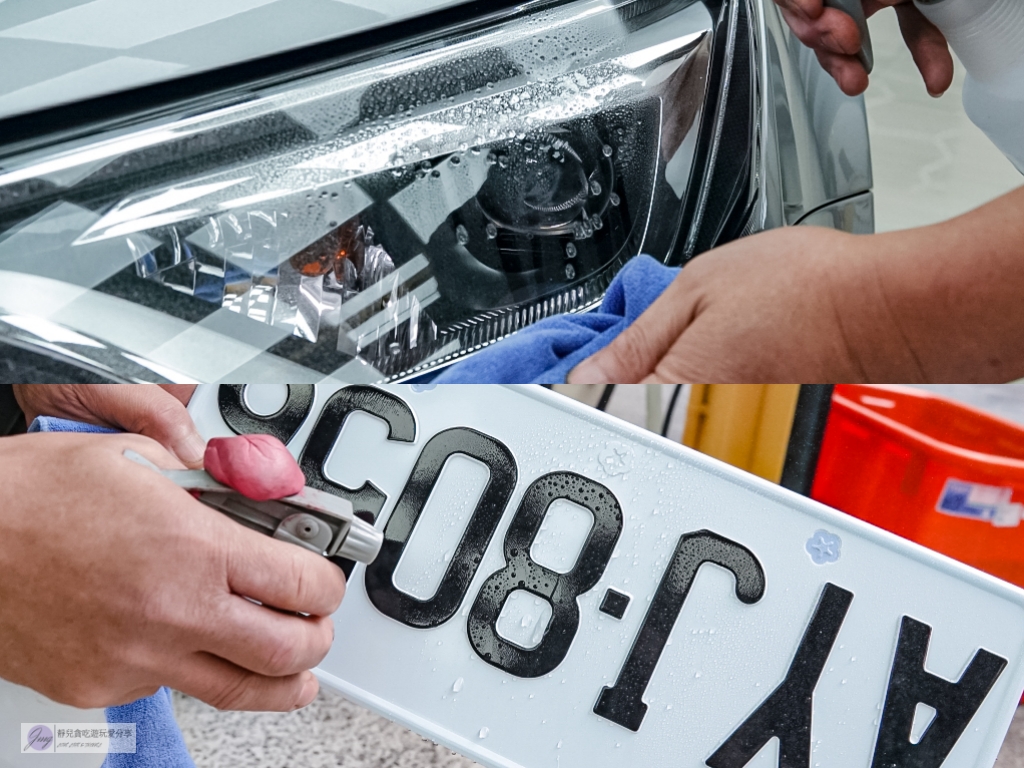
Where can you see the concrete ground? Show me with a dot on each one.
(1012, 754)
(335, 733)
(330, 733)
(930, 162)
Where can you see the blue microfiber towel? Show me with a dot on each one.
(158, 740)
(545, 353)
(50, 424)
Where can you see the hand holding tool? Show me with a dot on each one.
(855, 10)
(312, 519)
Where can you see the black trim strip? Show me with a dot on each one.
(812, 411)
(11, 417)
(831, 203)
(729, 197)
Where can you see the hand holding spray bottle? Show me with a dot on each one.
(988, 38)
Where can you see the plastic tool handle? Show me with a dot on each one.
(855, 10)
(312, 519)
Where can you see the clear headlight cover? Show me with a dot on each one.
(391, 215)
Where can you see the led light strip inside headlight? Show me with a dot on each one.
(373, 222)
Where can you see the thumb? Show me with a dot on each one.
(182, 392)
(151, 411)
(636, 352)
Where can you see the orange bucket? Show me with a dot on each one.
(942, 474)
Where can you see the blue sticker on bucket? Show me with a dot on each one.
(985, 503)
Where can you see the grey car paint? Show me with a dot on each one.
(816, 138)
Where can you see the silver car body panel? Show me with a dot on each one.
(855, 215)
(815, 147)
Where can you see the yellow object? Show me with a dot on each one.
(746, 425)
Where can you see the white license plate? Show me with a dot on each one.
(558, 588)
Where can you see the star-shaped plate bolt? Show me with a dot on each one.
(824, 547)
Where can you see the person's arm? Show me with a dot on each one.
(940, 303)
(116, 582)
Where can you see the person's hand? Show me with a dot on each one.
(802, 304)
(145, 409)
(116, 582)
(834, 37)
(789, 305)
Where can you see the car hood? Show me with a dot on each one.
(55, 52)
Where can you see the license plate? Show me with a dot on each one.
(558, 588)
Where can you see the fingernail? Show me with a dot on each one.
(588, 372)
(309, 691)
(191, 449)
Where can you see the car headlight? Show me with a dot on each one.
(393, 212)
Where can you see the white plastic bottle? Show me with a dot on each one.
(988, 36)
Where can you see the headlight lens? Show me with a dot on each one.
(390, 216)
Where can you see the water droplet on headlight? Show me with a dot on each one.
(462, 234)
(540, 185)
(570, 271)
(570, 250)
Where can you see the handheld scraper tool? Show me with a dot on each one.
(855, 10)
(312, 519)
